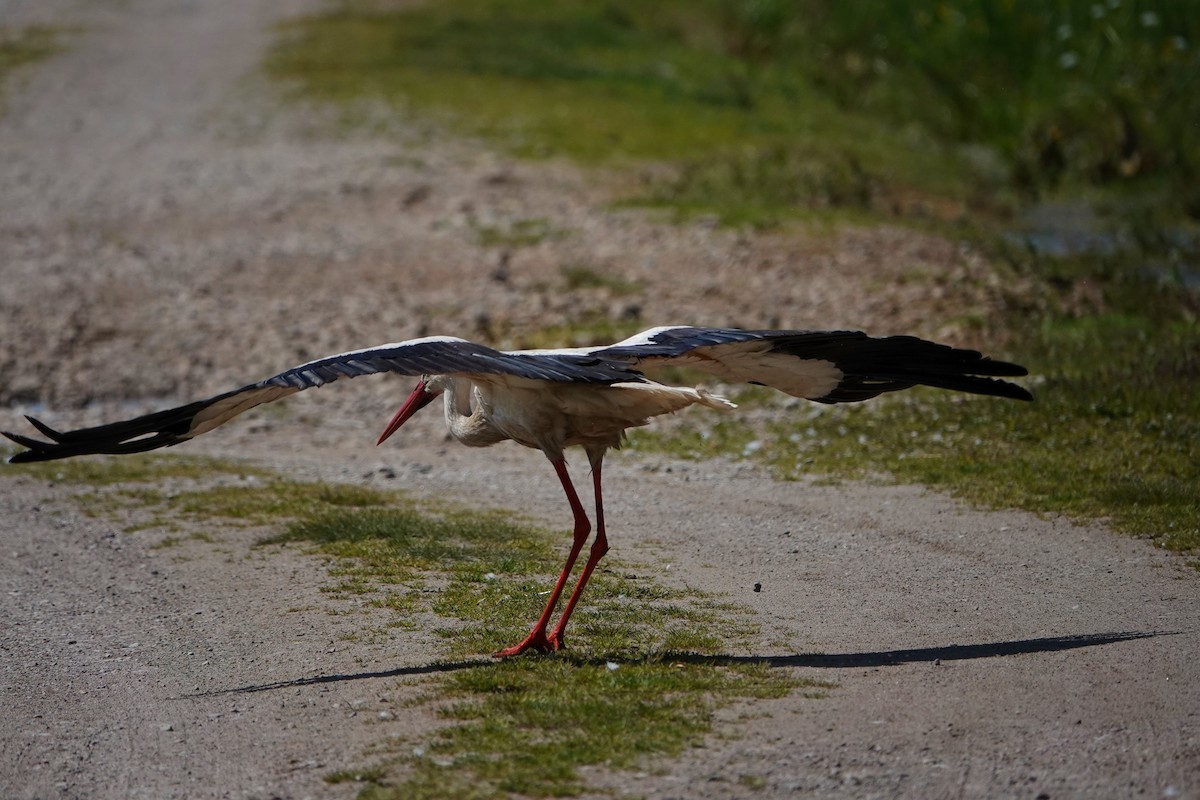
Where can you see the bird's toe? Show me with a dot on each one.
(537, 640)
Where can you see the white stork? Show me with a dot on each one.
(552, 399)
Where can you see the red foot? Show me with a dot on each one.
(536, 640)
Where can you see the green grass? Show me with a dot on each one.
(263, 501)
(581, 276)
(519, 233)
(546, 717)
(137, 468)
(773, 108)
(21, 47)
(590, 328)
(615, 82)
(641, 679)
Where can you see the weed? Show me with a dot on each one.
(519, 233)
(587, 330)
(20, 47)
(581, 276)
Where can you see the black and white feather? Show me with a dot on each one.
(824, 366)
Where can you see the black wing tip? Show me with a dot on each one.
(997, 368)
(988, 386)
(53, 451)
(43, 428)
(1010, 391)
(35, 452)
(119, 438)
(908, 361)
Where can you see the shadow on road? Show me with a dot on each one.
(398, 672)
(882, 658)
(953, 652)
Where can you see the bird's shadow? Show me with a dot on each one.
(953, 652)
(879, 658)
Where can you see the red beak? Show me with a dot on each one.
(415, 402)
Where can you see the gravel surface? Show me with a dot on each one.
(169, 228)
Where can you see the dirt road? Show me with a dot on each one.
(170, 228)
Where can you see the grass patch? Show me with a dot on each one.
(21, 47)
(138, 468)
(764, 185)
(631, 687)
(581, 276)
(547, 717)
(611, 82)
(519, 233)
(261, 501)
(587, 330)
(770, 109)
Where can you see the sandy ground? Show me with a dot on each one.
(169, 228)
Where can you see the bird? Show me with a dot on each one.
(589, 397)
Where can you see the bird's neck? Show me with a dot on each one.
(457, 398)
(467, 415)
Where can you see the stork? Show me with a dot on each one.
(589, 396)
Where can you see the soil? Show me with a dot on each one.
(171, 228)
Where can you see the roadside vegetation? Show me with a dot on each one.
(20, 47)
(983, 121)
(642, 678)
(770, 105)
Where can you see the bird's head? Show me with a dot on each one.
(428, 388)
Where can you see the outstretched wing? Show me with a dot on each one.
(432, 355)
(825, 366)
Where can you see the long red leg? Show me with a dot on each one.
(599, 548)
(537, 638)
